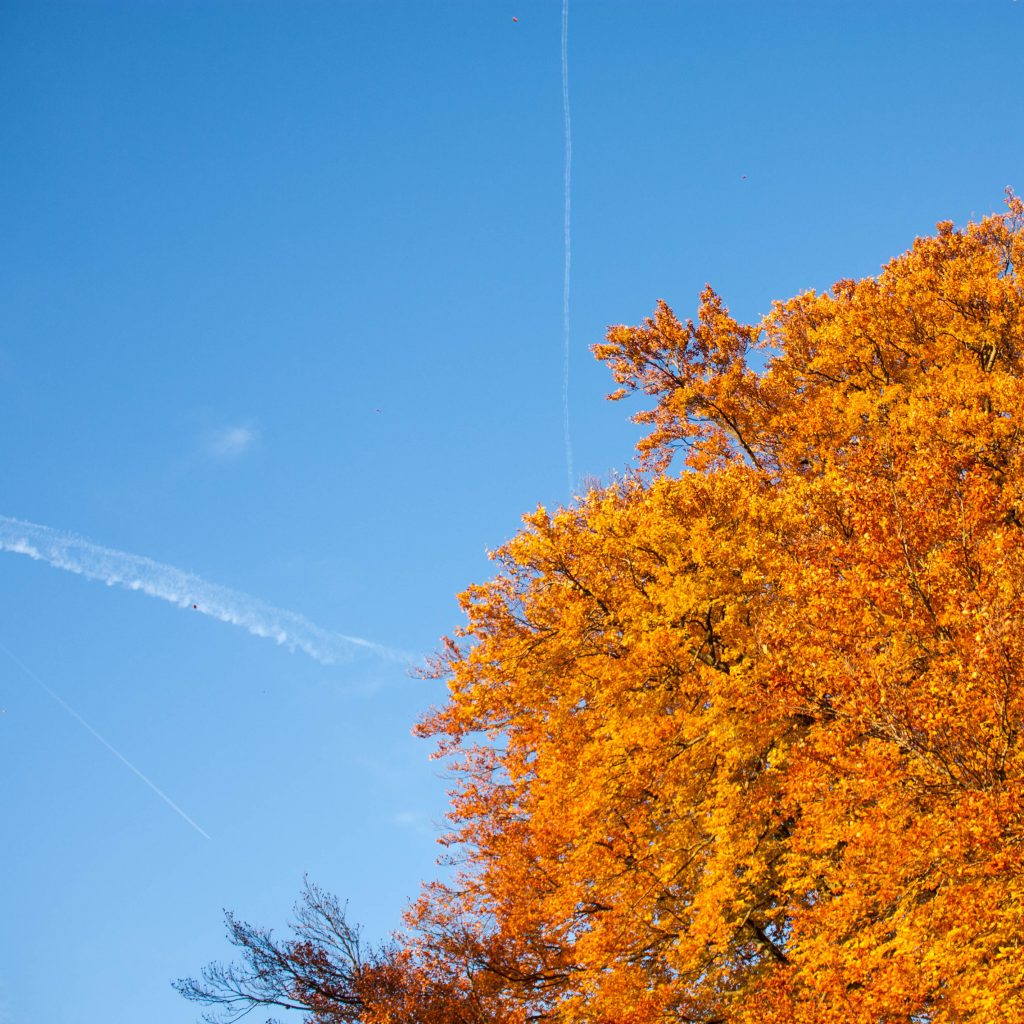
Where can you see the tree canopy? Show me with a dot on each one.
(738, 740)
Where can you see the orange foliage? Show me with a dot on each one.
(743, 743)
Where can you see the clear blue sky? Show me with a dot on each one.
(281, 305)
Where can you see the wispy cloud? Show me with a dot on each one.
(415, 822)
(409, 818)
(136, 572)
(231, 441)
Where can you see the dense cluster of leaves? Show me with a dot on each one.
(742, 744)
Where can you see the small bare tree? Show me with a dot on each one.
(319, 971)
(325, 972)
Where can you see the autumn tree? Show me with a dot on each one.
(738, 740)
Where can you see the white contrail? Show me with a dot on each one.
(135, 572)
(568, 243)
(117, 753)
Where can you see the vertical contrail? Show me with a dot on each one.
(117, 753)
(567, 221)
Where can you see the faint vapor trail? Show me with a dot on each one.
(81, 721)
(135, 572)
(568, 243)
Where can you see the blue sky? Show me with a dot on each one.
(281, 307)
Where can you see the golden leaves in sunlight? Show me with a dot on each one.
(742, 743)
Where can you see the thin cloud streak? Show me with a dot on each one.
(136, 572)
(117, 753)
